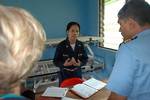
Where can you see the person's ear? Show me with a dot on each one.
(132, 23)
(134, 27)
(67, 32)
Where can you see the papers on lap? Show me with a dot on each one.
(55, 92)
(88, 88)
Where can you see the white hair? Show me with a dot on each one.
(22, 40)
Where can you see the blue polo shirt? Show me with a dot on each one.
(131, 72)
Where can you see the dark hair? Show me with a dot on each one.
(138, 10)
(71, 24)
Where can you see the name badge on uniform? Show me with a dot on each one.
(80, 54)
(79, 45)
(65, 55)
(67, 46)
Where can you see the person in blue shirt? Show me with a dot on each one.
(22, 40)
(130, 77)
(70, 54)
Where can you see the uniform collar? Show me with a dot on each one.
(68, 42)
(128, 40)
(147, 31)
(144, 32)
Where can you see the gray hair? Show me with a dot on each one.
(22, 40)
(138, 10)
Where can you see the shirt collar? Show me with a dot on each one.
(144, 32)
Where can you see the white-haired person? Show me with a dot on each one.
(22, 40)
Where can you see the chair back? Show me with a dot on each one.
(70, 82)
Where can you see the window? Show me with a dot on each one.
(111, 35)
(148, 1)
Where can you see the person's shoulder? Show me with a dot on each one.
(63, 42)
(79, 42)
(12, 97)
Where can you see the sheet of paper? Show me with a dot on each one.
(84, 90)
(55, 92)
(92, 82)
(68, 98)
